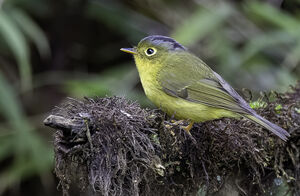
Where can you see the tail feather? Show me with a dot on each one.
(280, 132)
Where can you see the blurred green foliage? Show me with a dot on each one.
(53, 49)
(19, 140)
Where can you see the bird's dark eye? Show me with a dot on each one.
(150, 51)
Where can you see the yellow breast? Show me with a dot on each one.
(175, 106)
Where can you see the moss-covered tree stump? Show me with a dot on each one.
(111, 146)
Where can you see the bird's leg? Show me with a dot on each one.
(189, 127)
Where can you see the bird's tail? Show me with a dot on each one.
(280, 132)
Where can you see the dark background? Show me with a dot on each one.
(53, 49)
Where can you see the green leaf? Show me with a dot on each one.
(10, 107)
(31, 154)
(200, 24)
(118, 18)
(260, 42)
(264, 11)
(6, 145)
(27, 165)
(32, 30)
(19, 47)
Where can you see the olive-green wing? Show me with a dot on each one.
(198, 83)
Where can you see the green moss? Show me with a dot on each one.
(258, 104)
(278, 108)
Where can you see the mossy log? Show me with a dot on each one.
(111, 146)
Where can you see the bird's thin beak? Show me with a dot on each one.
(129, 50)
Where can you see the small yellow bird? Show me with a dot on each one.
(184, 86)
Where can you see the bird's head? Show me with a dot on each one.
(154, 49)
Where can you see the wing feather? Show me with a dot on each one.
(201, 86)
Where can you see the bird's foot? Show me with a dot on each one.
(180, 122)
(188, 128)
